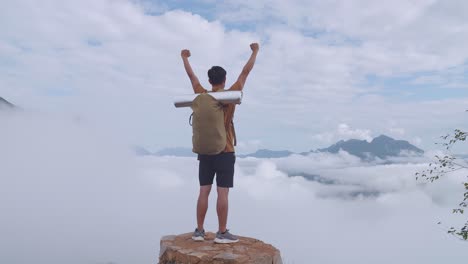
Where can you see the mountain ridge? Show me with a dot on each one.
(380, 147)
(4, 104)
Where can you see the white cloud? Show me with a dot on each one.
(398, 35)
(417, 140)
(343, 132)
(110, 60)
(397, 131)
(248, 146)
(68, 186)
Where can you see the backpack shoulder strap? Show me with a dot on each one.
(234, 133)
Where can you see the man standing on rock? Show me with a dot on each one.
(221, 164)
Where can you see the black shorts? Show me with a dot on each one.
(221, 164)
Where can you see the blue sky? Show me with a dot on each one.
(325, 72)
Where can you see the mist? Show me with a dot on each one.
(71, 192)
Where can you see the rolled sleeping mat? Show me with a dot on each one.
(226, 97)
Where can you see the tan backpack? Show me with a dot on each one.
(209, 132)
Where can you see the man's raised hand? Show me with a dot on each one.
(185, 53)
(254, 47)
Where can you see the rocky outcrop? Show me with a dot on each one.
(182, 249)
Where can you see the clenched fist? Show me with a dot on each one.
(254, 47)
(185, 53)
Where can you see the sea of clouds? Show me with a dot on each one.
(73, 193)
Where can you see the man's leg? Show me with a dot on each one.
(224, 181)
(222, 208)
(202, 205)
(206, 174)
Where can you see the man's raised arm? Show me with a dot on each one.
(239, 85)
(197, 88)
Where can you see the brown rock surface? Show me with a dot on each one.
(182, 249)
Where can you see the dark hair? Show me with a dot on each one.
(216, 75)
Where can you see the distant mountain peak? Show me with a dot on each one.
(381, 147)
(382, 138)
